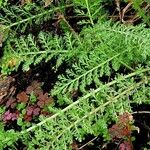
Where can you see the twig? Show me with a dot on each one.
(124, 11)
(118, 8)
(87, 143)
(140, 112)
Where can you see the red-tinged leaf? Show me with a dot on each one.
(38, 92)
(29, 89)
(34, 87)
(45, 113)
(29, 111)
(9, 116)
(27, 118)
(125, 118)
(50, 100)
(22, 97)
(123, 128)
(36, 111)
(11, 103)
(126, 131)
(40, 103)
(35, 84)
(114, 132)
(14, 117)
(45, 99)
(125, 146)
(74, 146)
(7, 112)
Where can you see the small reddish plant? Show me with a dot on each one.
(28, 104)
(10, 116)
(122, 130)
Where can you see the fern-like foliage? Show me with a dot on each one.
(3, 3)
(27, 51)
(99, 51)
(10, 137)
(109, 48)
(93, 9)
(21, 18)
(90, 114)
(143, 9)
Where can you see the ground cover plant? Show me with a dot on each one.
(75, 74)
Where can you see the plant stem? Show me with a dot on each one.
(91, 20)
(85, 97)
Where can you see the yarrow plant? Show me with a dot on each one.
(100, 70)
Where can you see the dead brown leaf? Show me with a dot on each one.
(47, 3)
